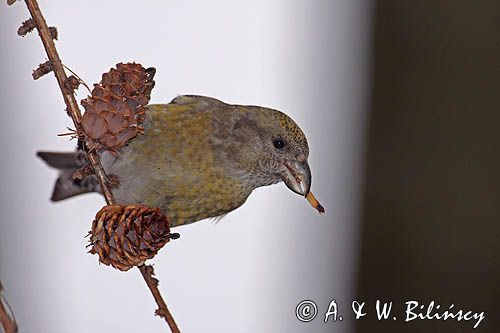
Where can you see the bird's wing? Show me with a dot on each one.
(187, 103)
(198, 102)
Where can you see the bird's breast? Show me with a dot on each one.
(173, 166)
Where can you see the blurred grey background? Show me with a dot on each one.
(245, 274)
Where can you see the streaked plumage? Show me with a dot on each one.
(201, 158)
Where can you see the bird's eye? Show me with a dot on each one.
(278, 143)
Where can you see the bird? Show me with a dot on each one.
(197, 158)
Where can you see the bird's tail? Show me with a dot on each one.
(67, 163)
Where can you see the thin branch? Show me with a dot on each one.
(148, 273)
(69, 97)
(92, 157)
(7, 322)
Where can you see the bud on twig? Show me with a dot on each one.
(42, 69)
(83, 172)
(53, 32)
(113, 181)
(71, 83)
(26, 27)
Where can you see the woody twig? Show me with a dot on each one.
(55, 65)
(7, 320)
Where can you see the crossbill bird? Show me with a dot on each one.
(198, 158)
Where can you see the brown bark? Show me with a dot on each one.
(73, 110)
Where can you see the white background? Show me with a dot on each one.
(248, 272)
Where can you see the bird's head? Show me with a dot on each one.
(265, 146)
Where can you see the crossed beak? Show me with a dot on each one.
(297, 177)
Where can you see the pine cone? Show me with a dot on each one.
(126, 236)
(115, 110)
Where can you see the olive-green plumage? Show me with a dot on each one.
(201, 158)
